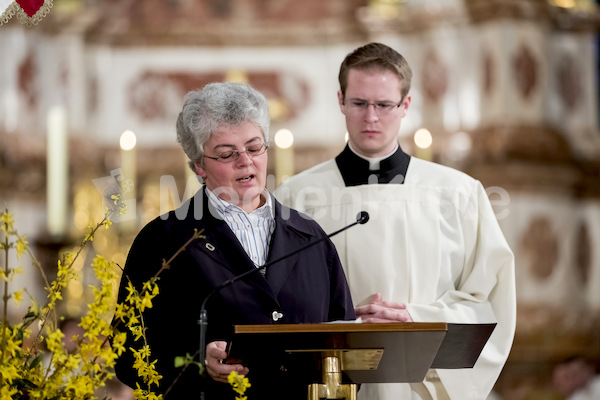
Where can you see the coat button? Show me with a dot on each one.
(277, 315)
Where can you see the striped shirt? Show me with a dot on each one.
(253, 230)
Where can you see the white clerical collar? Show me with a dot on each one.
(373, 161)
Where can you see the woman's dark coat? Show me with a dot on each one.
(308, 287)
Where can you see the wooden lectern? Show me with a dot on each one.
(364, 353)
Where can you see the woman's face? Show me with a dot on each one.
(241, 181)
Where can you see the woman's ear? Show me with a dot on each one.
(199, 170)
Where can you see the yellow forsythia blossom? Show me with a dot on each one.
(239, 384)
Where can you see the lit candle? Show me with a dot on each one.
(423, 140)
(127, 143)
(57, 171)
(284, 155)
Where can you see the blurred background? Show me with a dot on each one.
(505, 90)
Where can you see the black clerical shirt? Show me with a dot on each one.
(355, 170)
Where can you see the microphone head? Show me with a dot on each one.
(362, 217)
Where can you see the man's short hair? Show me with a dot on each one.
(376, 56)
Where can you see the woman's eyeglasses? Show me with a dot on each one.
(254, 150)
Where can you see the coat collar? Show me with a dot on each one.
(355, 170)
(291, 232)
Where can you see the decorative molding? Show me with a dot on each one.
(152, 95)
(27, 79)
(493, 144)
(435, 77)
(487, 10)
(525, 71)
(219, 23)
(539, 248)
(583, 253)
(531, 159)
(413, 18)
(568, 76)
(489, 74)
(481, 11)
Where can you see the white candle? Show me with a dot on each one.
(127, 143)
(57, 171)
(284, 155)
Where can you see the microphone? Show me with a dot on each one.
(361, 218)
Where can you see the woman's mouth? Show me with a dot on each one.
(246, 178)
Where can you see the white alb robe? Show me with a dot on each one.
(432, 242)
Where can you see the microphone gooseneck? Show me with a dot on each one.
(361, 218)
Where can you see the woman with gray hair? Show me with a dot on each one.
(224, 130)
(206, 110)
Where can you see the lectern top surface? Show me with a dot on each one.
(343, 327)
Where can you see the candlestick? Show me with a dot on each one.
(284, 155)
(127, 142)
(57, 171)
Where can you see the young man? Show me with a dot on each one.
(433, 250)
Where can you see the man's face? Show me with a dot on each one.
(373, 133)
(241, 181)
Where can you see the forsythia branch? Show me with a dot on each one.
(25, 373)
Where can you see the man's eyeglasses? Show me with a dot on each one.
(253, 150)
(381, 107)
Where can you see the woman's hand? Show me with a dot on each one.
(215, 356)
(383, 311)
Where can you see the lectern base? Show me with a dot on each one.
(332, 387)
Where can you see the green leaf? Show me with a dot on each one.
(179, 362)
(37, 360)
(19, 335)
(24, 383)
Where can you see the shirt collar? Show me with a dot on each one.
(224, 207)
(373, 161)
